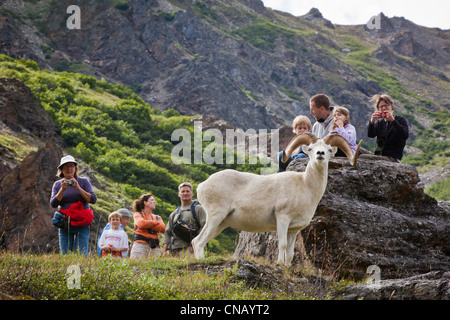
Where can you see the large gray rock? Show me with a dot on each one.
(371, 214)
(430, 286)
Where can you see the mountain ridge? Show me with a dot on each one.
(247, 64)
(208, 40)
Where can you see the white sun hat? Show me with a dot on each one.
(65, 160)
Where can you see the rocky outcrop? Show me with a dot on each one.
(17, 39)
(22, 117)
(409, 39)
(26, 184)
(19, 109)
(25, 211)
(372, 214)
(316, 16)
(433, 285)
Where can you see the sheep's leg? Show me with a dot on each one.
(211, 229)
(282, 230)
(291, 237)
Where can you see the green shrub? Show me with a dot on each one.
(440, 190)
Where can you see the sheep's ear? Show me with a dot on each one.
(335, 149)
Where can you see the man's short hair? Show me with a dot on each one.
(185, 184)
(321, 100)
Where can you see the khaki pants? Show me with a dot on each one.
(143, 250)
(184, 253)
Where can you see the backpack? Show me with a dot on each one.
(184, 230)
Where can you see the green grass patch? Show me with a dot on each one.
(440, 190)
(73, 277)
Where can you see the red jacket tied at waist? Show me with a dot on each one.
(78, 215)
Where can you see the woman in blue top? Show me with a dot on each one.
(65, 192)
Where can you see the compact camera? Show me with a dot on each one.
(384, 114)
(69, 182)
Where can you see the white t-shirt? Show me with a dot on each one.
(117, 238)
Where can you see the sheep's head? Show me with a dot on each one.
(321, 149)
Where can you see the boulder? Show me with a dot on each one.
(371, 214)
(433, 285)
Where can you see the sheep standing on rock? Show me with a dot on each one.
(284, 202)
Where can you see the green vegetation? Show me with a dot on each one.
(48, 277)
(250, 95)
(121, 5)
(263, 33)
(166, 15)
(203, 11)
(18, 146)
(440, 190)
(117, 134)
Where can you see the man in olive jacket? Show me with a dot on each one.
(173, 244)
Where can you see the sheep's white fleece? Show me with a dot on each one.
(285, 202)
(250, 202)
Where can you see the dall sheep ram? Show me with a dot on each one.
(284, 202)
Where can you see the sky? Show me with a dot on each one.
(430, 13)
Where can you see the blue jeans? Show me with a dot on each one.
(75, 239)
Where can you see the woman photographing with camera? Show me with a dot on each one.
(390, 130)
(72, 195)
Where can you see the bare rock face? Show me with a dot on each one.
(372, 214)
(21, 111)
(25, 187)
(25, 211)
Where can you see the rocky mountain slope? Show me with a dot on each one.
(236, 59)
(246, 64)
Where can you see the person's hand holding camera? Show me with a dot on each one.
(382, 115)
(69, 183)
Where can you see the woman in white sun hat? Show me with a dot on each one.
(72, 195)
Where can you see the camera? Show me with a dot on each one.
(69, 182)
(384, 114)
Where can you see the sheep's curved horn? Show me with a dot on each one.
(297, 141)
(336, 140)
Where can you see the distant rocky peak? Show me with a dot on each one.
(256, 5)
(314, 15)
(392, 25)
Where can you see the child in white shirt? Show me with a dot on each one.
(114, 241)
